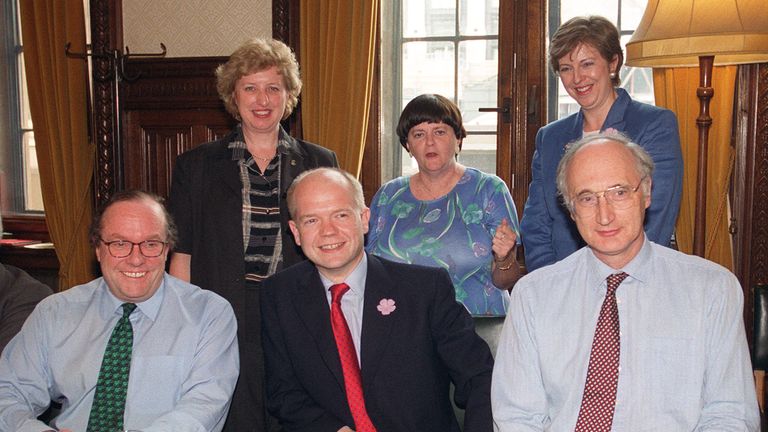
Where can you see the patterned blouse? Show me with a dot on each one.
(454, 232)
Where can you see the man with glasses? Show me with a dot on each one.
(623, 334)
(135, 349)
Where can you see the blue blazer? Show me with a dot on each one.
(408, 357)
(547, 230)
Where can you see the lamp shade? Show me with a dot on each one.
(676, 32)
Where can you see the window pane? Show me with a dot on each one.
(631, 13)
(573, 8)
(637, 81)
(33, 199)
(424, 18)
(26, 117)
(479, 151)
(478, 70)
(479, 18)
(429, 68)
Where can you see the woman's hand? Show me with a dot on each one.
(504, 241)
(505, 270)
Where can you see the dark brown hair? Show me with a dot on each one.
(430, 108)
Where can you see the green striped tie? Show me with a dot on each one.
(109, 401)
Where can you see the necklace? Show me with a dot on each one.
(263, 159)
(439, 189)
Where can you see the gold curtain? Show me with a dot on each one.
(675, 88)
(58, 104)
(337, 44)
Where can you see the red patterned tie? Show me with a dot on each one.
(599, 400)
(352, 382)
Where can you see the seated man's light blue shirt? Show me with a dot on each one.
(684, 363)
(184, 363)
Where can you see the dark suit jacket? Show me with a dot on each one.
(408, 357)
(19, 294)
(206, 204)
(548, 233)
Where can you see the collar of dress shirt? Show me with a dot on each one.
(355, 280)
(150, 307)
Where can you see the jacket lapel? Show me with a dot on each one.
(226, 169)
(312, 307)
(292, 161)
(615, 119)
(377, 327)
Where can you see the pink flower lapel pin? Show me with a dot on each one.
(386, 306)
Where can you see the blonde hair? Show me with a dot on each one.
(253, 56)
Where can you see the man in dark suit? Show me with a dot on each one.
(410, 335)
(19, 293)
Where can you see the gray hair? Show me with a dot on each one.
(354, 186)
(643, 161)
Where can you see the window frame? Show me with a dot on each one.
(391, 99)
(15, 187)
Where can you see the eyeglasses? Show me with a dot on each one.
(123, 248)
(617, 196)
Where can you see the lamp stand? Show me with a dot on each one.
(703, 122)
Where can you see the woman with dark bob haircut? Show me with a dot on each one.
(585, 52)
(228, 200)
(447, 215)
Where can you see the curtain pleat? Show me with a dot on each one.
(57, 87)
(338, 40)
(675, 89)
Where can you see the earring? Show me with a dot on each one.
(612, 75)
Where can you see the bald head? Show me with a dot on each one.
(332, 176)
(614, 141)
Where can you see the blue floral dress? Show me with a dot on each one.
(454, 232)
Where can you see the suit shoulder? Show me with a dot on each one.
(288, 276)
(559, 125)
(205, 151)
(407, 271)
(317, 152)
(649, 111)
(556, 133)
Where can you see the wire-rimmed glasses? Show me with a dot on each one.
(586, 203)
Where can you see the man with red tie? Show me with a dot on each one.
(624, 334)
(355, 342)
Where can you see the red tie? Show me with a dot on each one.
(352, 382)
(599, 400)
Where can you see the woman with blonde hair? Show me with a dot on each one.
(228, 200)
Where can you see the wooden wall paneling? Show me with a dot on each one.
(170, 106)
(155, 138)
(750, 184)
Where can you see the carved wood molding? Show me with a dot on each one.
(759, 238)
(280, 19)
(171, 83)
(106, 34)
